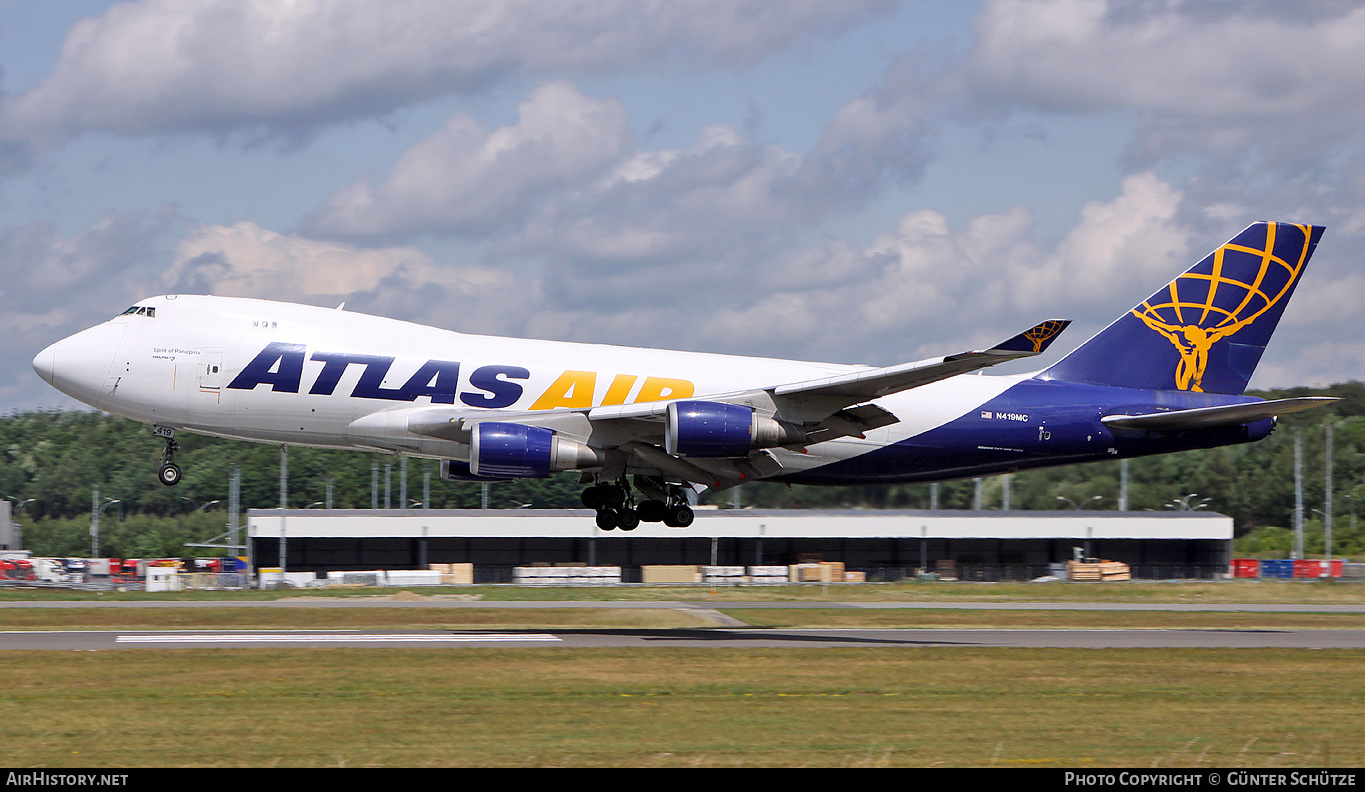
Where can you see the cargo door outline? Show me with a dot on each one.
(209, 372)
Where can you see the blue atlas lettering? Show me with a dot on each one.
(279, 365)
(501, 393)
(334, 365)
(438, 379)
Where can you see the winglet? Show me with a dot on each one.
(1034, 340)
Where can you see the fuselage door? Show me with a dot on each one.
(210, 370)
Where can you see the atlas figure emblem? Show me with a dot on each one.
(1203, 307)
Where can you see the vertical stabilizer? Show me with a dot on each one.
(1205, 330)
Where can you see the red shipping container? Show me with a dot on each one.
(1316, 568)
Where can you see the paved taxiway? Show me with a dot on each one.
(441, 602)
(90, 640)
(733, 635)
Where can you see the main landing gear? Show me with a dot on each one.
(169, 474)
(616, 508)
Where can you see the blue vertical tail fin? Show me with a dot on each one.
(1205, 330)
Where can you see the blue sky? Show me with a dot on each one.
(872, 181)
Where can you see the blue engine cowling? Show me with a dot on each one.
(458, 470)
(508, 450)
(709, 429)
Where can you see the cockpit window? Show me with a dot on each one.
(140, 310)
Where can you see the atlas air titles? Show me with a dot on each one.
(280, 365)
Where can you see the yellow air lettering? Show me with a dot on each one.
(572, 389)
(619, 389)
(656, 388)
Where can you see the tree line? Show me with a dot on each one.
(53, 460)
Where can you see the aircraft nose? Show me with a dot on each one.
(79, 366)
(46, 362)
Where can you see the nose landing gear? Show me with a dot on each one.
(169, 473)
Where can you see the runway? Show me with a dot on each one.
(92, 640)
(728, 631)
(443, 602)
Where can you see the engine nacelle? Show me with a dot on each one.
(509, 450)
(715, 429)
(458, 470)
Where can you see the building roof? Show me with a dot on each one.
(743, 523)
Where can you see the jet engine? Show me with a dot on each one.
(509, 450)
(715, 429)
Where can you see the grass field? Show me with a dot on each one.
(670, 707)
(682, 707)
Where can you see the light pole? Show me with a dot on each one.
(1082, 504)
(18, 504)
(1326, 535)
(95, 511)
(1183, 503)
(1327, 500)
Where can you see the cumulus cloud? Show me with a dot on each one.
(52, 285)
(663, 206)
(42, 269)
(466, 178)
(565, 186)
(921, 289)
(244, 260)
(1123, 246)
(926, 288)
(1210, 78)
(156, 66)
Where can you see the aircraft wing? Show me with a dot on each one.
(823, 397)
(1205, 417)
(799, 413)
(875, 383)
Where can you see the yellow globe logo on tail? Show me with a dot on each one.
(1199, 309)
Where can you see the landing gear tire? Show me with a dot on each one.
(629, 520)
(678, 516)
(652, 511)
(169, 474)
(603, 496)
(607, 519)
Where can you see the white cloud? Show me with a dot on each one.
(244, 260)
(1124, 246)
(466, 178)
(1212, 79)
(927, 289)
(53, 285)
(163, 65)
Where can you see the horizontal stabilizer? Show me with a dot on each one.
(1206, 417)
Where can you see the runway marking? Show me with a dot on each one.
(334, 638)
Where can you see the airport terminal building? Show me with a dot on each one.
(885, 544)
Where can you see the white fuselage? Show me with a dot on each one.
(284, 373)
